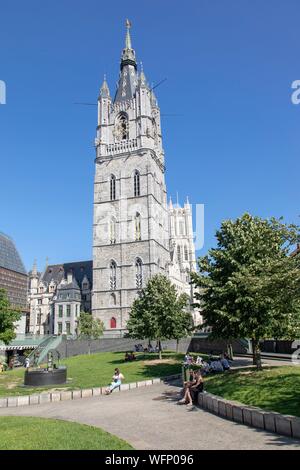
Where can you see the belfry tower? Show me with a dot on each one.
(131, 225)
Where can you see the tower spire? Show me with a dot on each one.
(128, 78)
(128, 54)
(104, 90)
(128, 38)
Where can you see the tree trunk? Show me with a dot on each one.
(256, 353)
(159, 349)
(230, 351)
(177, 346)
(89, 347)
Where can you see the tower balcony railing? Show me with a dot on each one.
(122, 146)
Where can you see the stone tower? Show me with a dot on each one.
(131, 225)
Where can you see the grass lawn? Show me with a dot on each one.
(19, 433)
(96, 370)
(276, 388)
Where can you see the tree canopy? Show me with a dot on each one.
(249, 285)
(159, 312)
(9, 315)
(89, 327)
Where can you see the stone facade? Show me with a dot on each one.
(135, 231)
(57, 296)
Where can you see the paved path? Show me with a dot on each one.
(149, 418)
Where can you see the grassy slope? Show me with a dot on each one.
(96, 370)
(275, 389)
(19, 433)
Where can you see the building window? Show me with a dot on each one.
(113, 275)
(68, 328)
(121, 130)
(41, 290)
(113, 299)
(139, 273)
(112, 231)
(178, 254)
(113, 322)
(40, 301)
(59, 325)
(182, 227)
(136, 183)
(137, 227)
(68, 310)
(76, 310)
(112, 188)
(60, 311)
(186, 254)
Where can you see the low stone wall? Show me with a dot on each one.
(76, 347)
(217, 346)
(41, 398)
(251, 416)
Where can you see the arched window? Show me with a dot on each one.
(136, 183)
(113, 322)
(121, 130)
(112, 231)
(186, 253)
(113, 275)
(139, 273)
(178, 254)
(112, 187)
(137, 227)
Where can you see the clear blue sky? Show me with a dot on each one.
(234, 144)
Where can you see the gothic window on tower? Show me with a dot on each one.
(112, 188)
(113, 322)
(112, 231)
(178, 254)
(113, 275)
(137, 227)
(139, 273)
(136, 183)
(186, 254)
(121, 130)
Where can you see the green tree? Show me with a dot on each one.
(157, 313)
(9, 315)
(183, 324)
(89, 328)
(249, 285)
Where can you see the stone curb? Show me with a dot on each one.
(250, 416)
(54, 397)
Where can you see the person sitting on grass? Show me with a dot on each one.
(192, 388)
(116, 381)
(127, 357)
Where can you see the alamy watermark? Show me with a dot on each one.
(295, 97)
(2, 92)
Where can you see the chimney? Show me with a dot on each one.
(69, 277)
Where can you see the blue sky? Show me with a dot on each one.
(233, 143)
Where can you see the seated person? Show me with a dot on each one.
(132, 357)
(127, 357)
(199, 360)
(192, 388)
(116, 381)
(205, 367)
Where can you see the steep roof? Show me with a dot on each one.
(57, 272)
(9, 256)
